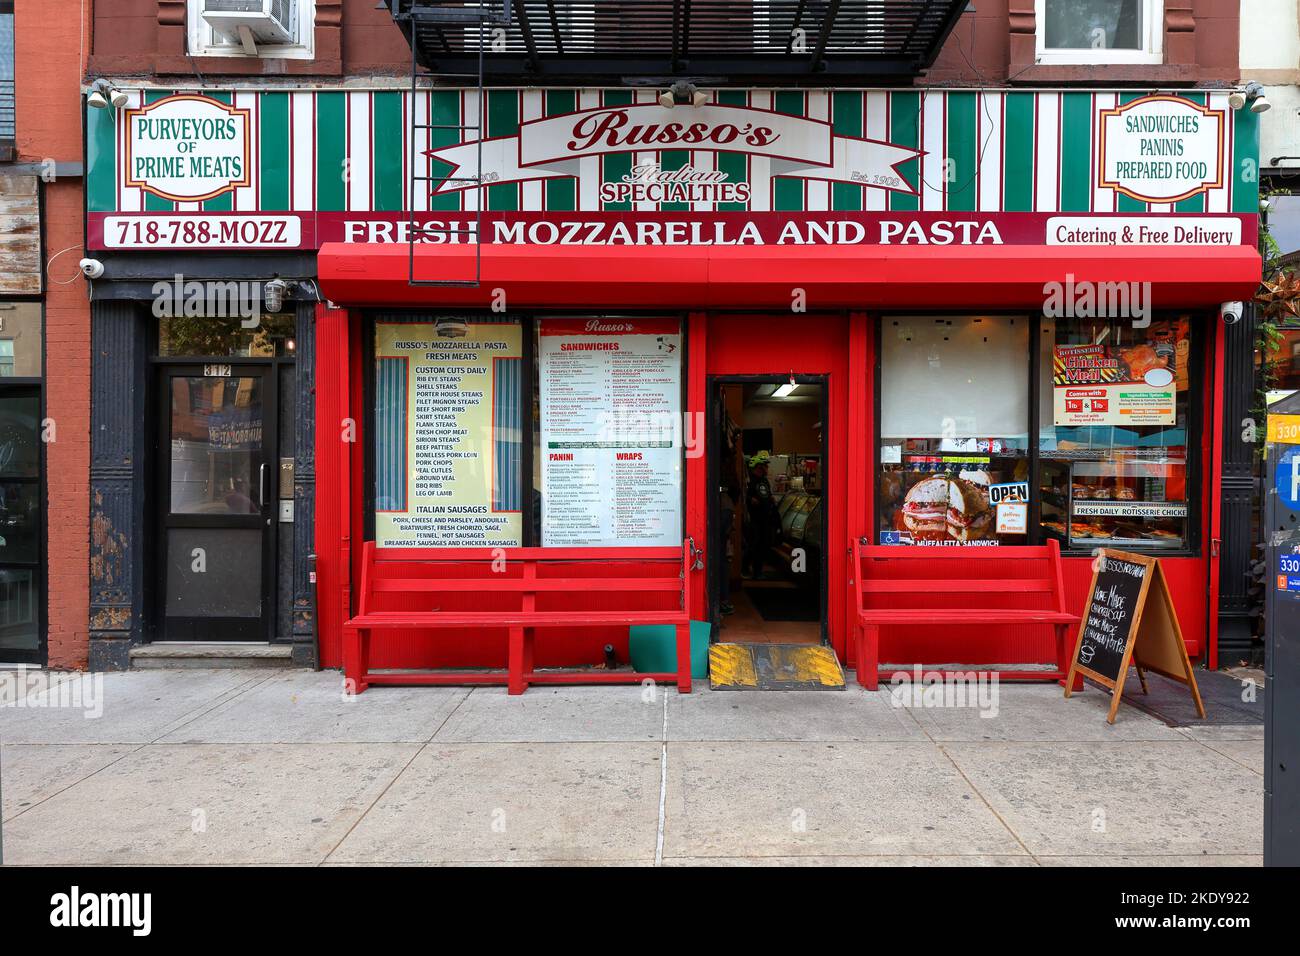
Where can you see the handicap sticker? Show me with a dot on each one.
(895, 537)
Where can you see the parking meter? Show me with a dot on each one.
(1282, 632)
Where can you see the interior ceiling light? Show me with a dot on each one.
(784, 390)
(451, 328)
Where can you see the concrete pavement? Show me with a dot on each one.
(247, 767)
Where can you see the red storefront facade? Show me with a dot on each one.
(840, 344)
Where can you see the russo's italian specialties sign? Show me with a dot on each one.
(294, 169)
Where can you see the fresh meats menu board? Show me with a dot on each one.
(446, 435)
(611, 432)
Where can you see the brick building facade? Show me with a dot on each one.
(332, 139)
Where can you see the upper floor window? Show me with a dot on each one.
(262, 28)
(1100, 31)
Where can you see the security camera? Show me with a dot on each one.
(1231, 312)
(92, 268)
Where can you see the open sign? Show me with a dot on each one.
(1009, 491)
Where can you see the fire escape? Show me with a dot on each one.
(653, 43)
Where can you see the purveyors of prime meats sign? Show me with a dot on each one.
(187, 148)
(292, 169)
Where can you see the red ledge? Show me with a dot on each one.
(766, 277)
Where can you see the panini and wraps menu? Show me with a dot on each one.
(611, 428)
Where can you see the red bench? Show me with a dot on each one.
(516, 591)
(916, 585)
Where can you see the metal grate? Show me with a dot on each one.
(631, 40)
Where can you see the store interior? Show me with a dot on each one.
(770, 537)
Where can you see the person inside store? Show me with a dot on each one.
(728, 492)
(762, 518)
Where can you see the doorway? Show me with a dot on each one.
(216, 520)
(767, 519)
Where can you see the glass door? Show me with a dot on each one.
(21, 567)
(217, 484)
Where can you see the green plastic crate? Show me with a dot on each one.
(653, 648)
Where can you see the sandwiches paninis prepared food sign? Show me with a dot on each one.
(296, 168)
(1161, 148)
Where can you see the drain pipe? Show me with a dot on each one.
(315, 613)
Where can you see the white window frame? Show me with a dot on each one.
(201, 40)
(1153, 28)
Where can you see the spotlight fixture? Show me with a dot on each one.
(103, 95)
(273, 293)
(683, 93)
(1252, 94)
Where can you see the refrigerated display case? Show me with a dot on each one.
(1129, 501)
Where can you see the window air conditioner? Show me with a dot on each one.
(262, 21)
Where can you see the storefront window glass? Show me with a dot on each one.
(1114, 406)
(610, 432)
(954, 426)
(447, 433)
(272, 336)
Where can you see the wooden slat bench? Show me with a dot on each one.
(920, 585)
(516, 591)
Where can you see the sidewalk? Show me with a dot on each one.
(245, 767)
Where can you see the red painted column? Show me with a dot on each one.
(861, 416)
(697, 472)
(336, 433)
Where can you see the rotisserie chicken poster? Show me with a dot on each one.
(1120, 385)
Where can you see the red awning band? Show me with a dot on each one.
(767, 277)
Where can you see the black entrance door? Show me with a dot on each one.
(216, 503)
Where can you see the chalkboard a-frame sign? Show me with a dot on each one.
(1130, 619)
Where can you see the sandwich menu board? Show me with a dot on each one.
(1129, 618)
(611, 432)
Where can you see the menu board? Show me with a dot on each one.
(1110, 615)
(1129, 618)
(447, 435)
(611, 432)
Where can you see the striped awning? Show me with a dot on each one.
(826, 42)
